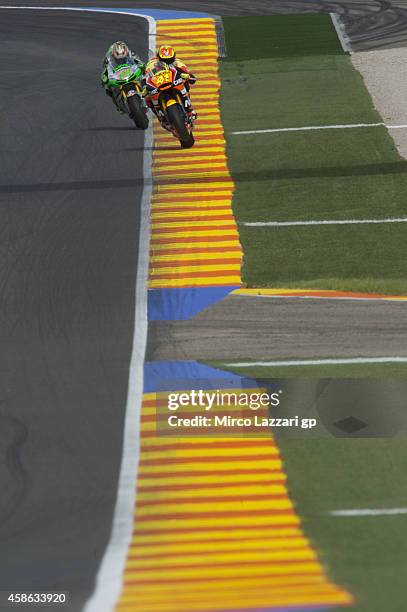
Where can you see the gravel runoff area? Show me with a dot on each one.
(385, 76)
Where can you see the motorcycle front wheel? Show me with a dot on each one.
(137, 112)
(177, 119)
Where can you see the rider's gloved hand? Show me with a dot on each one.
(188, 76)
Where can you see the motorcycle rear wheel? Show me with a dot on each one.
(137, 112)
(177, 120)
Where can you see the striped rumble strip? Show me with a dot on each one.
(214, 526)
(194, 238)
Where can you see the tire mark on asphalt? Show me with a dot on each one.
(14, 479)
(68, 261)
(370, 24)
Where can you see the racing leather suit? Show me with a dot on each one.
(104, 76)
(191, 80)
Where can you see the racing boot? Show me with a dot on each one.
(162, 119)
(191, 112)
(114, 99)
(192, 115)
(119, 110)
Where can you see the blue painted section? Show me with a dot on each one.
(168, 14)
(155, 13)
(188, 375)
(180, 304)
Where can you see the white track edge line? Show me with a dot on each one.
(322, 222)
(339, 126)
(151, 20)
(109, 579)
(369, 512)
(305, 362)
(307, 128)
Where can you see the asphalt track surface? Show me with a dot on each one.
(370, 24)
(70, 184)
(70, 188)
(290, 328)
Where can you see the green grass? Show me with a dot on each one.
(377, 255)
(296, 78)
(265, 38)
(365, 554)
(366, 370)
(287, 71)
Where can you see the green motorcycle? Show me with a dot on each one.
(124, 82)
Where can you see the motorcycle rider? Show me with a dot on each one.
(118, 53)
(167, 54)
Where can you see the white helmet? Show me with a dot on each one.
(120, 50)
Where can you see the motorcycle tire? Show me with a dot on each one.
(177, 120)
(137, 112)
